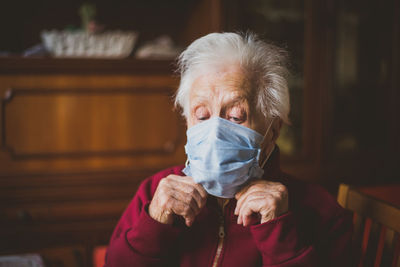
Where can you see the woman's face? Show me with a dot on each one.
(227, 94)
(224, 94)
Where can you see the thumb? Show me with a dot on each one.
(241, 192)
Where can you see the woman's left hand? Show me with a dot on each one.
(267, 199)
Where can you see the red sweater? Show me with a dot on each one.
(315, 231)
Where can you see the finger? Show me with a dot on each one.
(239, 211)
(242, 191)
(188, 184)
(188, 193)
(259, 187)
(199, 187)
(246, 215)
(186, 199)
(254, 203)
(267, 217)
(202, 191)
(243, 198)
(252, 206)
(268, 211)
(185, 192)
(172, 198)
(239, 219)
(196, 193)
(182, 209)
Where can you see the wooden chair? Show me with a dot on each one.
(376, 239)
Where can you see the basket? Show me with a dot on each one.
(112, 44)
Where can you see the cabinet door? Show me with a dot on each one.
(63, 123)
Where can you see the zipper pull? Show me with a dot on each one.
(221, 231)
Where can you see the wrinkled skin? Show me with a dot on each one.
(224, 93)
(267, 199)
(178, 195)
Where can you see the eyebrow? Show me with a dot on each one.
(236, 100)
(201, 99)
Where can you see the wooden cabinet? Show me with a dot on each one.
(79, 135)
(65, 121)
(77, 138)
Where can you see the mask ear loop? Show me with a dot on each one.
(270, 152)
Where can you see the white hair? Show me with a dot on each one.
(264, 66)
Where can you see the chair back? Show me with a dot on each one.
(376, 238)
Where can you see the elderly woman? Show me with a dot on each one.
(231, 205)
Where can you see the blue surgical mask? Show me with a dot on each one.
(223, 156)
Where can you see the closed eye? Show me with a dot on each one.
(203, 118)
(235, 119)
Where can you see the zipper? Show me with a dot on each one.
(221, 235)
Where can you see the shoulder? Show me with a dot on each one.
(149, 185)
(314, 200)
(318, 198)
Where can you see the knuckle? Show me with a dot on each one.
(281, 188)
(161, 188)
(278, 199)
(270, 201)
(164, 201)
(191, 190)
(163, 182)
(247, 211)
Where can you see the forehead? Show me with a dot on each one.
(229, 82)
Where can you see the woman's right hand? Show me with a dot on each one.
(178, 195)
